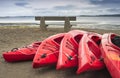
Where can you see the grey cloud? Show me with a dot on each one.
(105, 1)
(21, 4)
(67, 7)
(117, 10)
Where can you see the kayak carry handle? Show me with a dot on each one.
(69, 57)
(14, 49)
(43, 55)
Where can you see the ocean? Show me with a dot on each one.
(109, 23)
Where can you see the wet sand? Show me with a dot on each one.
(11, 37)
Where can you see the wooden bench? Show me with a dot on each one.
(67, 19)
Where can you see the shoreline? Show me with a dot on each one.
(61, 28)
(35, 25)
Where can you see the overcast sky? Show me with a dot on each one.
(58, 7)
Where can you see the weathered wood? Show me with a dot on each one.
(67, 25)
(56, 18)
(42, 24)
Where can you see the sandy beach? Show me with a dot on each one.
(11, 37)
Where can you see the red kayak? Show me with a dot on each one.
(89, 54)
(69, 49)
(47, 53)
(21, 54)
(111, 53)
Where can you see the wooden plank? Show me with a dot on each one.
(56, 18)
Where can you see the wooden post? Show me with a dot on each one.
(67, 25)
(42, 24)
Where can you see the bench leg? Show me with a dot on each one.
(67, 25)
(42, 24)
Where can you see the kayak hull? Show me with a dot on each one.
(21, 54)
(68, 50)
(89, 53)
(111, 55)
(47, 53)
